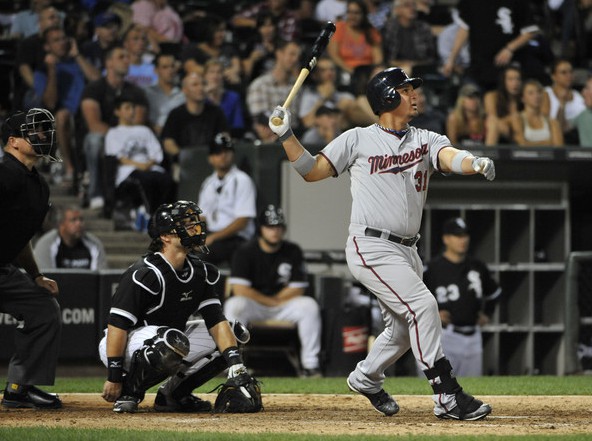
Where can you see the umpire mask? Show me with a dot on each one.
(37, 126)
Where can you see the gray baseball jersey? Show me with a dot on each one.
(389, 175)
(389, 182)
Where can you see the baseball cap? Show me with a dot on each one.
(455, 226)
(12, 126)
(263, 118)
(327, 109)
(469, 90)
(106, 18)
(221, 142)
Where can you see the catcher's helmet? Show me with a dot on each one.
(176, 219)
(37, 126)
(272, 216)
(381, 90)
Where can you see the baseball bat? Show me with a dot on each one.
(317, 49)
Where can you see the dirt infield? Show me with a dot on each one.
(324, 414)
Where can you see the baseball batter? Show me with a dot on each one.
(390, 165)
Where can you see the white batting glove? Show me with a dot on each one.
(485, 167)
(283, 130)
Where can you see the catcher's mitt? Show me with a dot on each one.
(241, 394)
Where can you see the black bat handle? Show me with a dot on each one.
(320, 44)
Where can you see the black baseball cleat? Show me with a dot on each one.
(31, 397)
(468, 408)
(381, 400)
(188, 404)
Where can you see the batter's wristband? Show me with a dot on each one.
(286, 135)
(232, 356)
(115, 369)
(456, 165)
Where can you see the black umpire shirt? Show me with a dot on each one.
(24, 201)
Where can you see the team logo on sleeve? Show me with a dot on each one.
(397, 163)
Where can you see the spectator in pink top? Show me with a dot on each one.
(161, 21)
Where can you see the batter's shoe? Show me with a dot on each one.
(126, 404)
(465, 407)
(381, 400)
(188, 404)
(31, 397)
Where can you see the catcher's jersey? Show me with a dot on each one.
(463, 288)
(268, 273)
(389, 174)
(151, 292)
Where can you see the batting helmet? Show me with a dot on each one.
(272, 216)
(381, 90)
(176, 219)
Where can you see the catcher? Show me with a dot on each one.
(149, 339)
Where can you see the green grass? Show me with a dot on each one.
(524, 385)
(34, 434)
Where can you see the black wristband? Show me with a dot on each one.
(38, 275)
(115, 369)
(232, 356)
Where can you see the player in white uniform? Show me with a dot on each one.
(390, 164)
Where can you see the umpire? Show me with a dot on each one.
(30, 298)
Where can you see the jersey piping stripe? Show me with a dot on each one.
(335, 174)
(141, 285)
(125, 314)
(298, 285)
(189, 277)
(411, 311)
(208, 303)
(162, 284)
(494, 296)
(239, 281)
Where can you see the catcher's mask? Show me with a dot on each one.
(182, 219)
(37, 127)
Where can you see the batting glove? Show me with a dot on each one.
(485, 167)
(283, 130)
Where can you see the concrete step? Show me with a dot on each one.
(121, 261)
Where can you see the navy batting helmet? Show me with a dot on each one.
(177, 219)
(381, 90)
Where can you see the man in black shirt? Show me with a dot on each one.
(148, 336)
(30, 298)
(466, 296)
(194, 123)
(268, 281)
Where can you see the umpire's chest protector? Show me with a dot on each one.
(178, 295)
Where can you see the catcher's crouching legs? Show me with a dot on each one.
(176, 394)
(159, 358)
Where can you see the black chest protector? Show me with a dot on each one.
(180, 294)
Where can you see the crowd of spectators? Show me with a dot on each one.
(512, 70)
